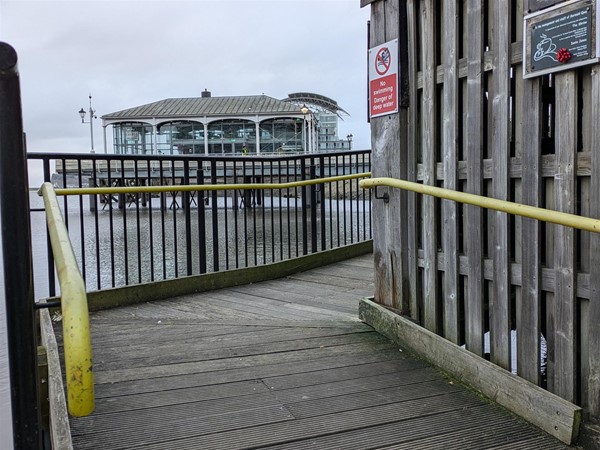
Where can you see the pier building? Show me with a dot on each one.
(301, 123)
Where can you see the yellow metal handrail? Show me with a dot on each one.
(76, 328)
(76, 324)
(533, 212)
(205, 187)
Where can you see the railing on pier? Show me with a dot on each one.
(558, 417)
(73, 306)
(123, 237)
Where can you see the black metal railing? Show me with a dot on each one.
(16, 263)
(131, 238)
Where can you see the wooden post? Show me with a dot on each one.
(474, 302)
(411, 163)
(593, 319)
(565, 339)
(388, 135)
(500, 305)
(429, 139)
(528, 317)
(450, 163)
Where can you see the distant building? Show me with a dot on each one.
(301, 123)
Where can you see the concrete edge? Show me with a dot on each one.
(162, 290)
(541, 408)
(60, 430)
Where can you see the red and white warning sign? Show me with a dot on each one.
(383, 79)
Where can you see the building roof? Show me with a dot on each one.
(316, 100)
(206, 106)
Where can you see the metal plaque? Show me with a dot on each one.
(560, 38)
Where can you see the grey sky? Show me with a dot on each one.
(128, 53)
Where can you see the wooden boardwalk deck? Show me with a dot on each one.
(281, 365)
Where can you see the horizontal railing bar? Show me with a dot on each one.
(205, 187)
(47, 305)
(263, 156)
(74, 308)
(532, 212)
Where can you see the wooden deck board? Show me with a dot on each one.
(201, 351)
(233, 374)
(282, 364)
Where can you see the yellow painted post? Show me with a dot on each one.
(76, 324)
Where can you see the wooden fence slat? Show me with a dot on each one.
(500, 311)
(582, 239)
(413, 136)
(450, 160)
(548, 297)
(474, 306)
(565, 338)
(399, 170)
(528, 318)
(593, 388)
(429, 136)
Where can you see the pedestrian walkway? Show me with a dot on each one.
(283, 364)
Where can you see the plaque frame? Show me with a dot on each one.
(545, 17)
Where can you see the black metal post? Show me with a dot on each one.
(16, 247)
(186, 200)
(313, 208)
(215, 217)
(321, 203)
(305, 205)
(202, 199)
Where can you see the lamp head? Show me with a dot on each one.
(82, 114)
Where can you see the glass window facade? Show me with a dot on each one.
(227, 136)
(232, 136)
(132, 138)
(180, 138)
(282, 135)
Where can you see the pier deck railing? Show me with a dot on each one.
(552, 412)
(133, 232)
(74, 309)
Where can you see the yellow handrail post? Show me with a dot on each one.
(76, 324)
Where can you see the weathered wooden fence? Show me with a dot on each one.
(474, 124)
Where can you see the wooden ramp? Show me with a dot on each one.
(281, 365)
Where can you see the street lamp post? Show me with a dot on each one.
(305, 132)
(349, 137)
(91, 122)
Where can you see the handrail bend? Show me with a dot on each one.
(76, 324)
(533, 212)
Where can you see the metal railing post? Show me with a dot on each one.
(16, 247)
(313, 208)
(305, 202)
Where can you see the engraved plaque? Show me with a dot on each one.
(560, 38)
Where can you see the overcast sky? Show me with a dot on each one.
(129, 53)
